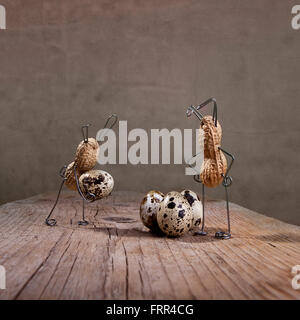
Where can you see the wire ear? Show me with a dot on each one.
(109, 124)
(192, 109)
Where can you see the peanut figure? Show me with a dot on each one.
(78, 175)
(214, 169)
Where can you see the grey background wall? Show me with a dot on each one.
(64, 63)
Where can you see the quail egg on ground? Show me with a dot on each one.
(97, 182)
(196, 206)
(175, 215)
(149, 208)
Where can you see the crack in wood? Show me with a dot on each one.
(37, 269)
(69, 273)
(58, 263)
(127, 271)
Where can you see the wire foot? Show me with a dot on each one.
(50, 222)
(83, 223)
(222, 235)
(200, 233)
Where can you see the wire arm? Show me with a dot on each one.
(227, 179)
(111, 121)
(189, 162)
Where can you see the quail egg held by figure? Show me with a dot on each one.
(175, 215)
(96, 182)
(149, 208)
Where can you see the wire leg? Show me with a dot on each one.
(227, 208)
(202, 232)
(52, 222)
(222, 234)
(83, 222)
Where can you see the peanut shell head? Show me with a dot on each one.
(210, 136)
(86, 155)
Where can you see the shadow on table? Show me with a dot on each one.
(136, 232)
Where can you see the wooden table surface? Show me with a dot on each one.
(115, 257)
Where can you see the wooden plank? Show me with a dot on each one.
(116, 257)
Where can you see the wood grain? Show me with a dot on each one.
(115, 257)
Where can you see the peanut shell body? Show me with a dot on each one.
(70, 180)
(214, 165)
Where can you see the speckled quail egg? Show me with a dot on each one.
(97, 182)
(149, 207)
(174, 216)
(196, 206)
